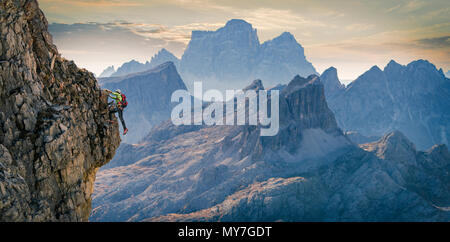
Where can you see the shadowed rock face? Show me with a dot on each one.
(390, 182)
(53, 132)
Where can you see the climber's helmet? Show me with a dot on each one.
(118, 90)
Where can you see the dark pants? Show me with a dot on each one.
(115, 109)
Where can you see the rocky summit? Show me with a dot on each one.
(232, 56)
(53, 130)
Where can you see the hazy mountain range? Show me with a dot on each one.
(412, 99)
(134, 66)
(107, 72)
(309, 171)
(232, 56)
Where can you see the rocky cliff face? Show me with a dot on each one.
(412, 99)
(53, 132)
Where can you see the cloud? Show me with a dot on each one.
(95, 3)
(331, 31)
(269, 18)
(435, 43)
(359, 27)
(407, 7)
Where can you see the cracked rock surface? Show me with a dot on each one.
(53, 130)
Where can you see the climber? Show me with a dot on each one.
(120, 104)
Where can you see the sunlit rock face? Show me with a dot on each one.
(53, 131)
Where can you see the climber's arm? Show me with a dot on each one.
(115, 96)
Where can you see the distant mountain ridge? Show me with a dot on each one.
(232, 56)
(108, 72)
(134, 66)
(412, 99)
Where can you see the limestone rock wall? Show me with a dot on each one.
(53, 130)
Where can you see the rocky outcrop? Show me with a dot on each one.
(148, 95)
(412, 99)
(331, 82)
(232, 56)
(358, 138)
(390, 182)
(53, 132)
(425, 172)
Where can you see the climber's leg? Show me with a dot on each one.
(125, 130)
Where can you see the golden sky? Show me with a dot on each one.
(351, 35)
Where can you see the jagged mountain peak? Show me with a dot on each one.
(396, 138)
(238, 23)
(332, 70)
(299, 82)
(393, 66)
(393, 146)
(423, 67)
(285, 37)
(331, 82)
(108, 71)
(232, 56)
(373, 76)
(421, 63)
(255, 85)
(374, 69)
(163, 53)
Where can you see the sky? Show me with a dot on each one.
(351, 35)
